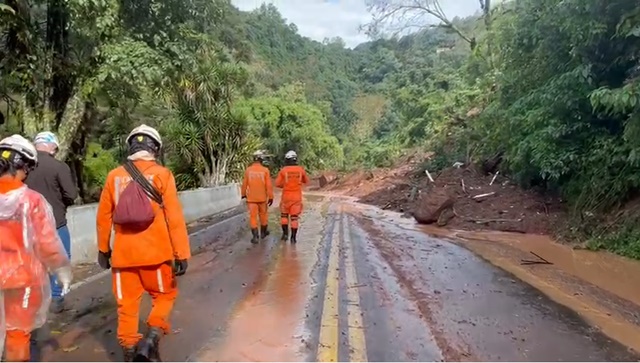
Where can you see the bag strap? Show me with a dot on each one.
(148, 188)
(151, 191)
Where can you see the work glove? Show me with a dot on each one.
(270, 202)
(180, 267)
(63, 276)
(104, 259)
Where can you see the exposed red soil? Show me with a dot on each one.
(403, 189)
(368, 182)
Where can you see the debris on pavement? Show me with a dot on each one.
(70, 349)
(461, 197)
(540, 261)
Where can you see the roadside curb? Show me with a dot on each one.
(196, 245)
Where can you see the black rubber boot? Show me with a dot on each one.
(285, 232)
(256, 237)
(128, 354)
(148, 349)
(264, 231)
(294, 233)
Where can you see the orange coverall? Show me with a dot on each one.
(23, 288)
(291, 179)
(142, 261)
(257, 188)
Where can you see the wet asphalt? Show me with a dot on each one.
(356, 287)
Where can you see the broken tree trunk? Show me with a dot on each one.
(490, 166)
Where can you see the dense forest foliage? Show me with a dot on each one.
(550, 87)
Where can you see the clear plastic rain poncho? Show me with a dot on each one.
(31, 249)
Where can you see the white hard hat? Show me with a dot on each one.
(147, 131)
(46, 137)
(20, 145)
(291, 155)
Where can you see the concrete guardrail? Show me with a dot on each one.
(196, 204)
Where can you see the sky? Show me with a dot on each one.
(320, 19)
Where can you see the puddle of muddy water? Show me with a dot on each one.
(268, 325)
(613, 273)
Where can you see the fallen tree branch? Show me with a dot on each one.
(540, 261)
(538, 256)
(476, 197)
(494, 177)
(428, 175)
(484, 221)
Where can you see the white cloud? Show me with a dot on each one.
(319, 19)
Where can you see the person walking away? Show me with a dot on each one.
(150, 246)
(31, 249)
(257, 189)
(52, 178)
(291, 178)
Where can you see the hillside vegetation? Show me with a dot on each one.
(549, 88)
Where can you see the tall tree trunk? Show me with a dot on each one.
(220, 171)
(61, 82)
(73, 143)
(78, 114)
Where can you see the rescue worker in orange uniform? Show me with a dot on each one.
(31, 249)
(291, 178)
(146, 259)
(257, 189)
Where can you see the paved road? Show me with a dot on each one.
(360, 285)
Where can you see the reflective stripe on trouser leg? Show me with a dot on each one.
(23, 312)
(284, 218)
(161, 285)
(160, 282)
(294, 221)
(25, 297)
(128, 291)
(118, 281)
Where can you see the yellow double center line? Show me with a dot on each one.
(329, 340)
(358, 351)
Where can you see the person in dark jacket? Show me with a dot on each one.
(52, 178)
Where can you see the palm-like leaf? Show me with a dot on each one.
(204, 133)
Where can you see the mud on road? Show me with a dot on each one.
(358, 286)
(459, 197)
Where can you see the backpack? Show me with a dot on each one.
(134, 210)
(15, 258)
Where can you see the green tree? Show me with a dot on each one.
(286, 121)
(206, 133)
